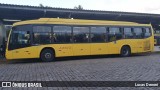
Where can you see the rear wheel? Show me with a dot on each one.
(125, 51)
(47, 55)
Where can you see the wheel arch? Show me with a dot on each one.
(126, 45)
(47, 48)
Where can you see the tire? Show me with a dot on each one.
(125, 51)
(47, 55)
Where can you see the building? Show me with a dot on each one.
(12, 13)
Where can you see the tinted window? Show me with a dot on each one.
(128, 33)
(98, 34)
(62, 34)
(80, 34)
(42, 35)
(114, 34)
(114, 30)
(147, 32)
(138, 33)
(20, 37)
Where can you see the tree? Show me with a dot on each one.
(41, 5)
(79, 7)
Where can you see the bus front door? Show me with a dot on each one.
(20, 44)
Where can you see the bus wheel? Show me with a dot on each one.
(47, 55)
(125, 51)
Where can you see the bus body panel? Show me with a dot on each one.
(81, 49)
(99, 48)
(114, 47)
(62, 50)
(28, 52)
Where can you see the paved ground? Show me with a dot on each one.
(144, 67)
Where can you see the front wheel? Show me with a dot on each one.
(125, 51)
(47, 55)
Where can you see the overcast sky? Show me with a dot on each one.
(144, 6)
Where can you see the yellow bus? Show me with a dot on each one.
(48, 38)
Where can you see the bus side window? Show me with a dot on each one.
(41, 34)
(81, 34)
(62, 34)
(114, 34)
(98, 34)
(147, 32)
(128, 33)
(138, 33)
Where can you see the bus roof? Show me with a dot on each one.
(78, 22)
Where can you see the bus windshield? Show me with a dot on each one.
(19, 38)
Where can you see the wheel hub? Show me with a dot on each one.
(48, 55)
(125, 52)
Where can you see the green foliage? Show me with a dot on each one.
(41, 5)
(79, 7)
